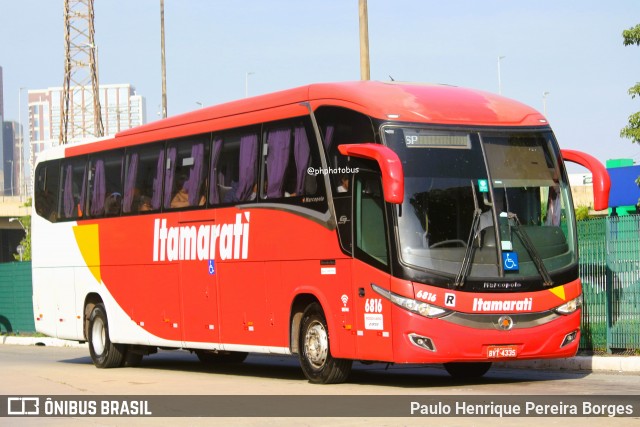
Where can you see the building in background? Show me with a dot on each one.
(10, 155)
(1, 97)
(121, 109)
(4, 164)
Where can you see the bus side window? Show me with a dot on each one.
(143, 170)
(247, 165)
(74, 189)
(185, 185)
(47, 187)
(216, 187)
(276, 161)
(342, 126)
(304, 158)
(288, 160)
(105, 184)
(235, 167)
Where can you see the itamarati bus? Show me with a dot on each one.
(362, 221)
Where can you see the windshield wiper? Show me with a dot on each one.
(531, 249)
(465, 267)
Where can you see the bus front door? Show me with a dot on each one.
(371, 268)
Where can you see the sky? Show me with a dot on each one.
(571, 49)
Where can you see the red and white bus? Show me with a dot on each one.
(361, 221)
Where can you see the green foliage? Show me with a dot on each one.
(632, 130)
(26, 241)
(582, 212)
(632, 36)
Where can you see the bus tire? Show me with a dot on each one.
(314, 350)
(465, 370)
(104, 353)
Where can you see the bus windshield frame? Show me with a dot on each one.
(459, 183)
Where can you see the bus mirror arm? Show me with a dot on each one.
(390, 167)
(601, 181)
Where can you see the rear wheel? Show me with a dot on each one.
(315, 352)
(215, 357)
(467, 369)
(104, 353)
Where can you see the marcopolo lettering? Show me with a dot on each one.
(191, 242)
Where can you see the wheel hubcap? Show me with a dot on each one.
(316, 345)
(98, 336)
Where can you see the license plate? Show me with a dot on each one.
(502, 351)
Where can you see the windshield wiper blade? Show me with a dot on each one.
(531, 249)
(465, 267)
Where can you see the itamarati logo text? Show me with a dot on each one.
(201, 242)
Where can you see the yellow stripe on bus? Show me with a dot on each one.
(87, 237)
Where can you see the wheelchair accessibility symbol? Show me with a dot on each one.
(212, 269)
(510, 261)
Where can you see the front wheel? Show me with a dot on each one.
(314, 350)
(464, 370)
(104, 353)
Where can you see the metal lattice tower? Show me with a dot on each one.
(80, 115)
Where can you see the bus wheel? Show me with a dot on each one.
(104, 353)
(467, 369)
(213, 357)
(314, 350)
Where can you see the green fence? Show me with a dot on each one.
(16, 306)
(610, 272)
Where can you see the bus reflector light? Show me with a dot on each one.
(422, 342)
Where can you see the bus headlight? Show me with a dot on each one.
(418, 307)
(570, 306)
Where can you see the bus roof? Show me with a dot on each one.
(422, 103)
(392, 101)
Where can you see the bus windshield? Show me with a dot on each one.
(480, 205)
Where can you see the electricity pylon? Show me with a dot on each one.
(80, 115)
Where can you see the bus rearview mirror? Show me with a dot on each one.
(390, 167)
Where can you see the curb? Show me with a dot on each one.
(41, 341)
(629, 364)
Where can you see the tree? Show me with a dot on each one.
(632, 130)
(25, 221)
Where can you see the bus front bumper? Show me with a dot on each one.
(422, 340)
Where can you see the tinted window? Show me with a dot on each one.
(144, 167)
(73, 197)
(46, 190)
(185, 184)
